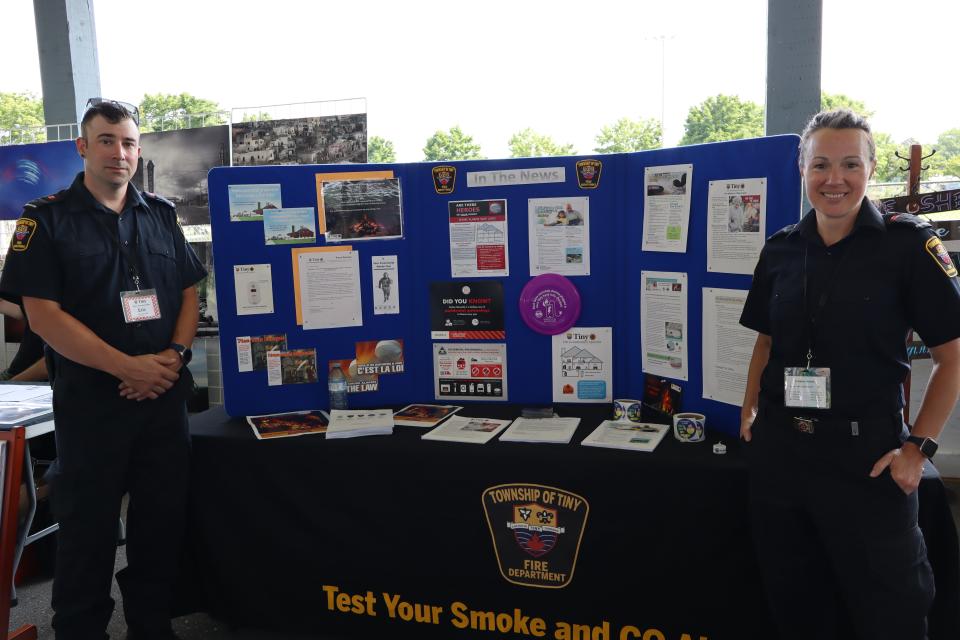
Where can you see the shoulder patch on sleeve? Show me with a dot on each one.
(941, 256)
(783, 232)
(22, 234)
(160, 199)
(905, 219)
(45, 200)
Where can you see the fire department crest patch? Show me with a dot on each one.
(444, 179)
(536, 532)
(22, 234)
(588, 173)
(934, 247)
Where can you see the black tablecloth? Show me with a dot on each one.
(278, 528)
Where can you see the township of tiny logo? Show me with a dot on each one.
(588, 173)
(536, 532)
(444, 179)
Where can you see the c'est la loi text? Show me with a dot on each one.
(462, 616)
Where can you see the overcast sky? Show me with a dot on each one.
(562, 68)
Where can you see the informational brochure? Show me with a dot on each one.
(356, 383)
(252, 350)
(666, 207)
(329, 290)
(663, 318)
(247, 202)
(466, 310)
(298, 366)
(583, 365)
(362, 209)
(321, 178)
(471, 430)
(547, 430)
(559, 235)
(290, 226)
(386, 285)
(424, 415)
(478, 238)
(295, 254)
(738, 224)
(470, 371)
(253, 286)
(727, 345)
(611, 434)
(353, 423)
(286, 425)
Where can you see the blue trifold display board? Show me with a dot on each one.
(610, 294)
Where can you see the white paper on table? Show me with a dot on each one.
(559, 235)
(663, 323)
(253, 286)
(463, 429)
(37, 393)
(386, 285)
(582, 365)
(330, 289)
(346, 423)
(737, 224)
(666, 207)
(631, 436)
(727, 345)
(549, 430)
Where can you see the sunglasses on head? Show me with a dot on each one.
(125, 107)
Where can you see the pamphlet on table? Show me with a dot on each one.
(351, 423)
(634, 436)
(549, 430)
(424, 415)
(463, 429)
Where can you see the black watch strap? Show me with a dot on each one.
(185, 353)
(928, 446)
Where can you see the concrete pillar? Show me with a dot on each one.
(794, 41)
(69, 67)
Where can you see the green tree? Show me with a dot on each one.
(530, 144)
(888, 165)
(722, 117)
(380, 150)
(451, 145)
(259, 116)
(165, 111)
(17, 111)
(630, 135)
(837, 100)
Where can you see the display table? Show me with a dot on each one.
(315, 536)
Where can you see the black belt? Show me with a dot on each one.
(821, 425)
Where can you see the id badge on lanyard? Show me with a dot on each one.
(806, 387)
(140, 305)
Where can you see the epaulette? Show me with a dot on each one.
(45, 200)
(905, 219)
(785, 231)
(160, 199)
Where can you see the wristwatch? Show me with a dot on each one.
(186, 355)
(928, 446)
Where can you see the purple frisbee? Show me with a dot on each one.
(550, 304)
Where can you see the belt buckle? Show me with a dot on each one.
(804, 425)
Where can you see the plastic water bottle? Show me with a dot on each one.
(337, 387)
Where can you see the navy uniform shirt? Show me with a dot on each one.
(71, 249)
(890, 274)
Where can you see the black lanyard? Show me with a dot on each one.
(814, 315)
(130, 255)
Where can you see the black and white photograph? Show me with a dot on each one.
(323, 140)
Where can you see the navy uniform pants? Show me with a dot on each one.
(106, 447)
(833, 543)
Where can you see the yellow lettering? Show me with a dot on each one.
(562, 632)
(331, 591)
(629, 631)
(538, 627)
(653, 634)
(391, 602)
(460, 620)
(483, 620)
(343, 602)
